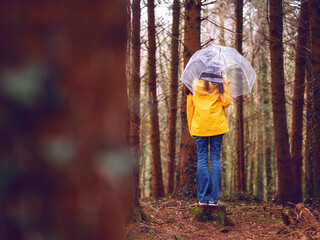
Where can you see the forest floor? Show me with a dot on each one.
(170, 218)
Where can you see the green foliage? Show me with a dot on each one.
(206, 216)
(219, 218)
(137, 214)
(278, 217)
(201, 216)
(140, 215)
(241, 197)
(252, 215)
(150, 236)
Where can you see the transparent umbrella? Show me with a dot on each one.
(217, 64)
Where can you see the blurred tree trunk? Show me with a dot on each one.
(172, 119)
(222, 17)
(265, 103)
(186, 175)
(251, 141)
(62, 119)
(284, 163)
(157, 182)
(298, 101)
(240, 164)
(224, 154)
(134, 106)
(314, 8)
(260, 143)
(251, 159)
(224, 157)
(250, 155)
(267, 128)
(250, 178)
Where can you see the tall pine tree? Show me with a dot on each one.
(172, 118)
(186, 175)
(240, 163)
(314, 8)
(157, 182)
(284, 163)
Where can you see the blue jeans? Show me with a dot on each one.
(209, 182)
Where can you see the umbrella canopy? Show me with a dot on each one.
(217, 63)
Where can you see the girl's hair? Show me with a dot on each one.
(220, 86)
(187, 91)
(210, 77)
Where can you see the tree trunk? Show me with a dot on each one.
(250, 157)
(222, 17)
(223, 150)
(298, 100)
(308, 145)
(267, 128)
(284, 163)
(240, 164)
(134, 107)
(314, 8)
(172, 118)
(251, 176)
(223, 170)
(186, 176)
(61, 135)
(260, 144)
(157, 182)
(248, 147)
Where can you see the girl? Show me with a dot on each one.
(207, 123)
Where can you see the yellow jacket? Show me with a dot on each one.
(205, 112)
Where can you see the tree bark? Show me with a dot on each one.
(223, 150)
(224, 157)
(314, 8)
(222, 17)
(62, 132)
(284, 163)
(308, 145)
(260, 145)
(267, 128)
(298, 101)
(248, 148)
(240, 164)
(157, 182)
(172, 118)
(134, 107)
(251, 176)
(186, 175)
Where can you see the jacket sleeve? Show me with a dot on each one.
(226, 95)
(190, 110)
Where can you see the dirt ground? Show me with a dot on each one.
(172, 219)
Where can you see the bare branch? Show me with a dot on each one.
(220, 26)
(206, 43)
(209, 3)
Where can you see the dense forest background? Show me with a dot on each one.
(275, 38)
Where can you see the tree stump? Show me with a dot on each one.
(300, 223)
(217, 214)
(299, 215)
